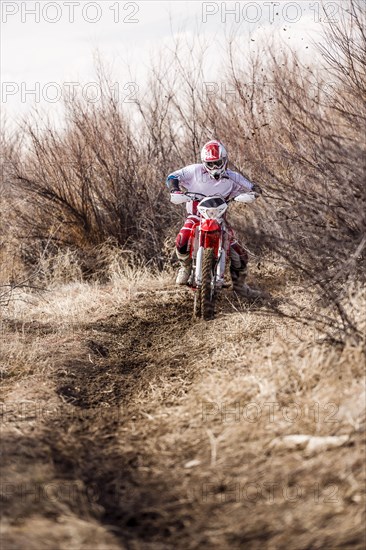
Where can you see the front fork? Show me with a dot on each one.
(222, 258)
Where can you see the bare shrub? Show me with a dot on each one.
(100, 178)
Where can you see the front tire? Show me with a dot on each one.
(208, 284)
(197, 310)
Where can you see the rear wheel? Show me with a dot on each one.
(208, 284)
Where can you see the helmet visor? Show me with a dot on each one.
(215, 164)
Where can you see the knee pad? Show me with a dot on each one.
(236, 263)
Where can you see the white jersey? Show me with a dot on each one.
(195, 178)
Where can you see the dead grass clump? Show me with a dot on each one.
(167, 427)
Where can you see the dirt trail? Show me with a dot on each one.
(136, 349)
(78, 432)
(122, 448)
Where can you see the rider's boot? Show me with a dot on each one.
(239, 285)
(185, 269)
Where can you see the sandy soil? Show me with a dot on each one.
(138, 428)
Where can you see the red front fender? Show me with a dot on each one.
(210, 235)
(210, 225)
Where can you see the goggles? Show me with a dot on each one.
(215, 164)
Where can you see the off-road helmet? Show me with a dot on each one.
(214, 158)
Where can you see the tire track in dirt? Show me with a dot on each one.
(126, 351)
(130, 428)
(84, 445)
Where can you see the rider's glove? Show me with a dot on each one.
(257, 189)
(172, 184)
(178, 197)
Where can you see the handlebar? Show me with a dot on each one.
(250, 194)
(179, 198)
(188, 193)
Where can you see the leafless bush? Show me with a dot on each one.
(100, 178)
(300, 131)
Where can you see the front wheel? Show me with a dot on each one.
(208, 284)
(197, 310)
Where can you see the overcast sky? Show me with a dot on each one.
(53, 42)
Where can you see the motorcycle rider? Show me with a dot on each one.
(211, 177)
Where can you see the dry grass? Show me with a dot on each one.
(162, 427)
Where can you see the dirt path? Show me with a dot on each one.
(130, 448)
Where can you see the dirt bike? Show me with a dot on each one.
(209, 245)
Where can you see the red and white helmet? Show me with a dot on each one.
(214, 158)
